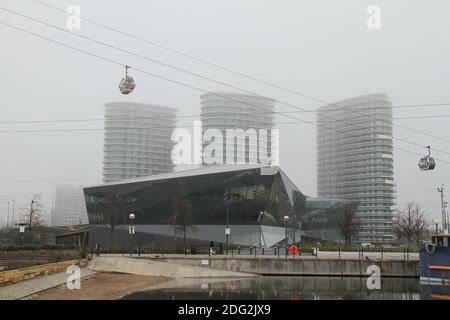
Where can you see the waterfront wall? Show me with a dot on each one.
(12, 276)
(115, 263)
(301, 267)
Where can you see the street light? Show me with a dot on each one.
(260, 216)
(226, 197)
(436, 223)
(31, 213)
(14, 207)
(7, 217)
(286, 219)
(131, 227)
(94, 220)
(446, 216)
(295, 225)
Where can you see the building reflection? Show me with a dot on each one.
(291, 288)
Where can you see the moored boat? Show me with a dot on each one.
(435, 267)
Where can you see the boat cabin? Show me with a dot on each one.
(441, 239)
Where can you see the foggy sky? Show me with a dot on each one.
(320, 48)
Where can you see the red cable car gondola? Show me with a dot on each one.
(427, 162)
(127, 83)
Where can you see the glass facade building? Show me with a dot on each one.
(320, 221)
(251, 199)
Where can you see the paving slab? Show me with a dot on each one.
(29, 287)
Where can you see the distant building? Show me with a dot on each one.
(222, 111)
(355, 161)
(137, 140)
(69, 206)
(45, 219)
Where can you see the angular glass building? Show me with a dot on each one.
(251, 199)
(320, 221)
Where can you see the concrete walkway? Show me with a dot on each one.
(28, 287)
(156, 268)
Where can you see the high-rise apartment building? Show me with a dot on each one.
(137, 140)
(355, 161)
(69, 206)
(251, 115)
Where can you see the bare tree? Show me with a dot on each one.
(114, 212)
(348, 223)
(420, 224)
(411, 223)
(31, 213)
(181, 218)
(404, 224)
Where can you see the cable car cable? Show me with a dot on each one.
(204, 61)
(199, 75)
(180, 116)
(146, 72)
(424, 133)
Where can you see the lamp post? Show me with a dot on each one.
(260, 216)
(444, 218)
(31, 214)
(7, 217)
(300, 233)
(286, 219)
(131, 217)
(295, 225)
(227, 228)
(436, 224)
(94, 220)
(13, 211)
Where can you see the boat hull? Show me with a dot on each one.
(434, 272)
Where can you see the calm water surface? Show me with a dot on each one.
(286, 288)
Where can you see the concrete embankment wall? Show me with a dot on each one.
(157, 268)
(303, 267)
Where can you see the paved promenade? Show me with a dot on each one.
(28, 287)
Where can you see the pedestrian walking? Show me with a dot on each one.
(212, 248)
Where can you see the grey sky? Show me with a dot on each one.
(321, 48)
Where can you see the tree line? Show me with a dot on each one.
(410, 224)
